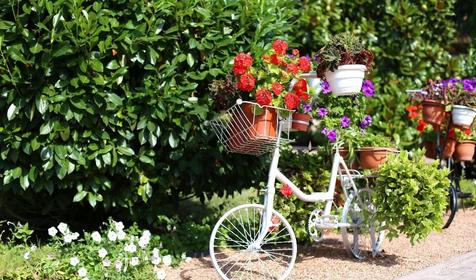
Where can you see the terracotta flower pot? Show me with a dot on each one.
(449, 148)
(301, 121)
(373, 157)
(464, 151)
(433, 111)
(263, 121)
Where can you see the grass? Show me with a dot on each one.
(469, 186)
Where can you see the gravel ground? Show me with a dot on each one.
(331, 261)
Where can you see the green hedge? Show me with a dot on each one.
(96, 99)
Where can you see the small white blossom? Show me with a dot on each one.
(161, 274)
(167, 260)
(146, 233)
(155, 260)
(63, 228)
(26, 256)
(188, 259)
(52, 231)
(106, 263)
(102, 253)
(82, 272)
(121, 235)
(118, 265)
(143, 242)
(68, 238)
(134, 261)
(74, 261)
(96, 236)
(130, 248)
(155, 252)
(119, 226)
(74, 235)
(112, 236)
(33, 248)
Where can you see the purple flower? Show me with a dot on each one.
(316, 58)
(291, 55)
(307, 108)
(332, 135)
(322, 112)
(344, 122)
(366, 121)
(468, 85)
(368, 88)
(325, 87)
(325, 131)
(308, 57)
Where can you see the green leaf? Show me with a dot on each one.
(92, 199)
(96, 65)
(115, 99)
(190, 60)
(45, 128)
(62, 50)
(24, 183)
(41, 104)
(36, 48)
(79, 196)
(146, 159)
(112, 65)
(173, 141)
(12, 110)
(125, 151)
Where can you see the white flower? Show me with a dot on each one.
(82, 272)
(52, 231)
(106, 263)
(102, 253)
(188, 259)
(146, 233)
(119, 226)
(155, 260)
(74, 235)
(121, 235)
(33, 248)
(118, 265)
(74, 261)
(143, 242)
(68, 238)
(112, 236)
(155, 252)
(130, 248)
(167, 260)
(134, 261)
(63, 228)
(26, 256)
(96, 236)
(161, 274)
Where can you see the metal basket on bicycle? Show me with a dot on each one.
(248, 128)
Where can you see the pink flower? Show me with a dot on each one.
(286, 190)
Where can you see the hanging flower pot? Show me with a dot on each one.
(312, 81)
(449, 148)
(301, 121)
(464, 150)
(433, 111)
(263, 120)
(347, 79)
(373, 157)
(463, 115)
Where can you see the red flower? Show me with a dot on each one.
(291, 101)
(304, 97)
(295, 52)
(300, 87)
(263, 97)
(275, 60)
(277, 88)
(304, 64)
(280, 47)
(467, 131)
(246, 82)
(421, 125)
(452, 134)
(286, 190)
(412, 112)
(242, 63)
(292, 68)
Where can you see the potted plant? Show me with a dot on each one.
(433, 100)
(428, 135)
(302, 117)
(343, 62)
(464, 149)
(464, 102)
(373, 150)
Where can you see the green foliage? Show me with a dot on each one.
(374, 140)
(411, 196)
(96, 99)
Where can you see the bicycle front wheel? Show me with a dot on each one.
(364, 236)
(451, 208)
(236, 254)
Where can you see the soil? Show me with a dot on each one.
(330, 260)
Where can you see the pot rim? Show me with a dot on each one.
(378, 149)
(462, 107)
(434, 102)
(352, 67)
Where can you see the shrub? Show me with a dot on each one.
(100, 100)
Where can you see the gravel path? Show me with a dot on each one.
(331, 261)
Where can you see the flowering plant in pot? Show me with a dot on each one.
(343, 62)
(465, 144)
(374, 150)
(464, 101)
(313, 81)
(428, 136)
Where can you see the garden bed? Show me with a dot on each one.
(331, 261)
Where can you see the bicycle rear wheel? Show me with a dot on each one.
(234, 250)
(364, 236)
(452, 207)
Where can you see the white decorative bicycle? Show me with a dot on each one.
(254, 241)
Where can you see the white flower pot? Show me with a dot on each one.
(463, 115)
(312, 81)
(347, 79)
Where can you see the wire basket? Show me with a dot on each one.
(248, 128)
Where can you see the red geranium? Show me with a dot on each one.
(295, 52)
(280, 47)
(292, 68)
(246, 82)
(275, 60)
(421, 125)
(412, 112)
(300, 87)
(452, 134)
(286, 190)
(304, 64)
(291, 101)
(242, 63)
(467, 131)
(277, 88)
(263, 97)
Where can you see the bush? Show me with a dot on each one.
(99, 100)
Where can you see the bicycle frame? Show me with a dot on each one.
(327, 196)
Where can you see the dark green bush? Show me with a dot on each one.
(97, 99)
